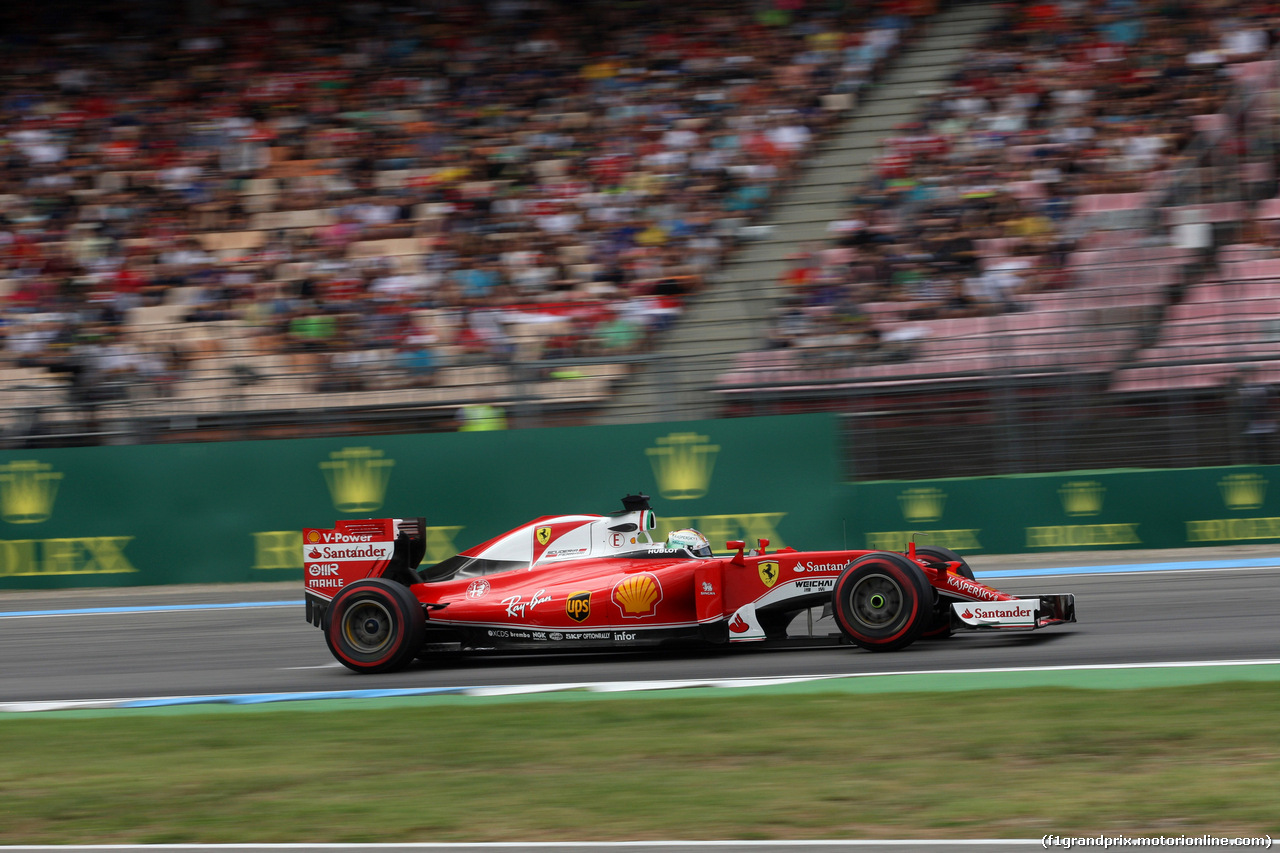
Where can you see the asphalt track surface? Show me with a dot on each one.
(1141, 613)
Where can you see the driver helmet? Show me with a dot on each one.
(690, 540)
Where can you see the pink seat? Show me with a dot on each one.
(1268, 208)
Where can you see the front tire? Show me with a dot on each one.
(375, 625)
(882, 602)
(945, 555)
(940, 626)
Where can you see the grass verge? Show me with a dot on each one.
(1010, 763)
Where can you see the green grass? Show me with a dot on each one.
(1009, 763)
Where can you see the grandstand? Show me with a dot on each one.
(1052, 229)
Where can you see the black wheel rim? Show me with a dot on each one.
(876, 601)
(366, 626)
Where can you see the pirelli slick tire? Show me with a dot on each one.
(940, 625)
(882, 602)
(375, 625)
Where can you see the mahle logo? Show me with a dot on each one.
(27, 491)
(922, 504)
(682, 464)
(1243, 491)
(1082, 497)
(357, 478)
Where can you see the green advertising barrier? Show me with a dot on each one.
(224, 512)
(1069, 512)
(233, 511)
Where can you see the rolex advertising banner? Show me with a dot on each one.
(1070, 512)
(234, 511)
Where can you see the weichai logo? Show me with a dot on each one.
(578, 606)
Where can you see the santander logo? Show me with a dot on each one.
(1008, 613)
(1001, 612)
(738, 625)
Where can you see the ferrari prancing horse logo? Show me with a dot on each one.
(768, 572)
(543, 535)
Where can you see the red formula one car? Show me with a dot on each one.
(599, 581)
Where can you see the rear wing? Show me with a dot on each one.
(333, 558)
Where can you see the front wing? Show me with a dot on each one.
(1019, 614)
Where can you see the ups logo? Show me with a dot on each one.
(578, 606)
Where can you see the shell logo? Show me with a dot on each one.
(637, 596)
(313, 537)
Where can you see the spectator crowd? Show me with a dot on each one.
(973, 206)
(329, 174)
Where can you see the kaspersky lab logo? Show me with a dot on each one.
(682, 464)
(1081, 497)
(27, 491)
(357, 478)
(922, 504)
(1243, 491)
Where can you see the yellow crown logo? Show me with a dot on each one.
(923, 504)
(638, 595)
(1243, 491)
(357, 478)
(682, 464)
(1082, 497)
(27, 491)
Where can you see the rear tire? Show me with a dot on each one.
(882, 602)
(375, 625)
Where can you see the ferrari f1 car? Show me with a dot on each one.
(578, 582)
